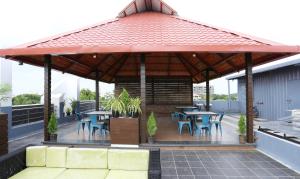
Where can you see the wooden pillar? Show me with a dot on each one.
(97, 91)
(47, 94)
(207, 90)
(3, 134)
(143, 98)
(249, 97)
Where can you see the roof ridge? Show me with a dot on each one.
(64, 34)
(134, 3)
(246, 36)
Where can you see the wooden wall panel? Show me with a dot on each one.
(160, 91)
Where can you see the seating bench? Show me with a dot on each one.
(88, 163)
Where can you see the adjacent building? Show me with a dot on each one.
(276, 90)
(199, 91)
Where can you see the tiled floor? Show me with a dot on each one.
(222, 165)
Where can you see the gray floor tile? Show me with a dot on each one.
(202, 177)
(230, 172)
(181, 164)
(261, 172)
(214, 172)
(184, 171)
(169, 171)
(199, 171)
(195, 164)
(179, 158)
(245, 172)
(169, 177)
(186, 177)
(277, 172)
(168, 164)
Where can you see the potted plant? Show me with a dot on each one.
(73, 105)
(151, 128)
(52, 127)
(68, 111)
(124, 125)
(242, 129)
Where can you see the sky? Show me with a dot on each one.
(24, 21)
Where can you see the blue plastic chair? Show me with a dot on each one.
(174, 116)
(96, 125)
(82, 122)
(218, 122)
(184, 121)
(205, 124)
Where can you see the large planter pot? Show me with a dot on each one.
(124, 131)
(242, 139)
(3, 134)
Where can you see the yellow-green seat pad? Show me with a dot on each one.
(84, 173)
(36, 156)
(86, 158)
(122, 174)
(56, 157)
(128, 159)
(38, 173)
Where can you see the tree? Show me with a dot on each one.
(86, 94)
(4, 89)
(24, 99)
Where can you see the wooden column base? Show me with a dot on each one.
(3, 134)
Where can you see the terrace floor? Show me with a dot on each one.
(167, 134)
(215, 164)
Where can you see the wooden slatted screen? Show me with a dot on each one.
(171, 91)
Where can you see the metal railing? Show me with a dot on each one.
(25, 114)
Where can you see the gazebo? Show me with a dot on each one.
(150, 50)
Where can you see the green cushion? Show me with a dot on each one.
(121, 159)
(38, 173)
(56, 157)
(36, 156)
(86, 158)
(122, 174)
(84, 173)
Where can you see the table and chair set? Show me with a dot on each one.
(95, 120)
(196, 121)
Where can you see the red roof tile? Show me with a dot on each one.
(148, 28)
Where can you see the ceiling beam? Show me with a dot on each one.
(193, 66)
(187, 68)
(208, 66)
(112, 66)
(98, 64)
(225, 60)
(118, 68)
(135, 6)
(74, 60)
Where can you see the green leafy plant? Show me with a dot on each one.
(86, 94)
(124, 104)
(242, 125)
(52, 125)
(73, 104)
(134, 106)
(68, 110)
(23, 99)
(151, 125)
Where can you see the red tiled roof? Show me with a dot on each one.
(176, 47)
(148, 32)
